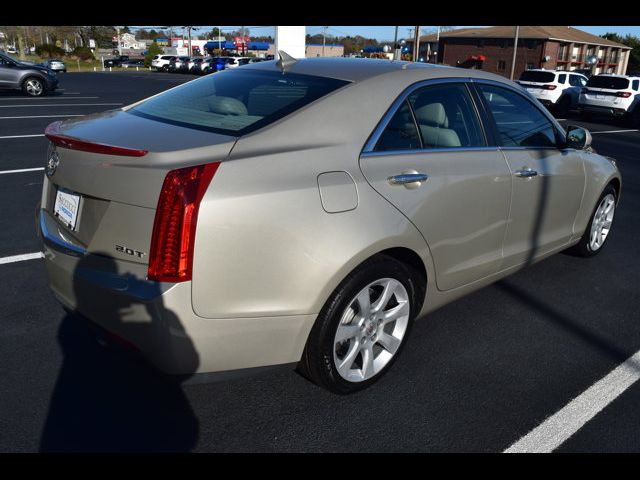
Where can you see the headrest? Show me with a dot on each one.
(432, 114)
(227, 106)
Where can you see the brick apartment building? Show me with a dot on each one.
(552, 48)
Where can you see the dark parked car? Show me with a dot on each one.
(132, 63)
(33, 80)
(179, 64)
(116, 62)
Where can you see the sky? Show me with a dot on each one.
(383, 33)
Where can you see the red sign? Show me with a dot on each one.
(240, 41)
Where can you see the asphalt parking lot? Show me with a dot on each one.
(537, 351)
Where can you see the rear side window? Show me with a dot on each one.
(577, 81)
(562, 79)
(446, 117)
(612, 83)
(539, 77)
(635, 84)
(400, 133)
(236, 102)
(519, 122)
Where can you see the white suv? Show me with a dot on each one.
(559, 90)
(161, 62)
(612, 95)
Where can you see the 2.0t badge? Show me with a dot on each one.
(52, 160)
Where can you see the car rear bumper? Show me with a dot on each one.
(157, 319)
(603, 110)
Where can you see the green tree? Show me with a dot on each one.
(630, 41)
(154, 49)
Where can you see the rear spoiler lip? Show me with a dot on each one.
(52, 132)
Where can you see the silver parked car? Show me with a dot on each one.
(308, 211)
(33, 80)
(55, 65)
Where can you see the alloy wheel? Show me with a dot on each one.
(601, 224)
(371, 330)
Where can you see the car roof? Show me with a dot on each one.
(360, 69)
(615, 75)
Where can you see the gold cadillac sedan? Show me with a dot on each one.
(306, 212)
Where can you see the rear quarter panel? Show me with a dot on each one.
(265, 246)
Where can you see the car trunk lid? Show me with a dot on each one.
(113, 165)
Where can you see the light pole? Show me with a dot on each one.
(324, 39)
(515, 48)
(397, 52)
(416, 44)
(437, 45)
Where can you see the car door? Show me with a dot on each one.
(430, 158)
(8, 75)
(576, 82)
(548, 179)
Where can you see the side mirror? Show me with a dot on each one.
(578, 138)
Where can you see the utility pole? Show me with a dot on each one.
(437, 44)
(324, 39)
(397, 52)
(515, 48)
(119, 47)
(416, 44)
(220, 39)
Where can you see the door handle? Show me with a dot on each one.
(410, 179)
(527, 172)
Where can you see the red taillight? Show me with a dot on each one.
(623, 94)
(174, 229)
(550, 87)
(53, 133)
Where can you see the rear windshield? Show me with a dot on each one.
(613, 83)
(540, 77)
(236, 102)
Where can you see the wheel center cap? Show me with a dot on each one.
(370, 327)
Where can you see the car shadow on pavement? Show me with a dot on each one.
(570, 325)
(108, 399)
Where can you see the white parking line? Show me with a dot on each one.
(556, 429)
(41, 116)
(5, 172)
(60, 105)
(22, 136)
(21, 258)
(615, 131)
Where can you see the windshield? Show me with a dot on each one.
(612, 83)
(236, 102)
(540, 77)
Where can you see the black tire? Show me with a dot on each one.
(563, 107)
(28, 87)
(165, 68)
(583, 248)
(317, 363)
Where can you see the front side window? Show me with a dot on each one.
(236, 102)
(519, 122)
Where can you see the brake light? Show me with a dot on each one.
(53, 133)
(174, 228)
(623, 94)
(550, 87)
